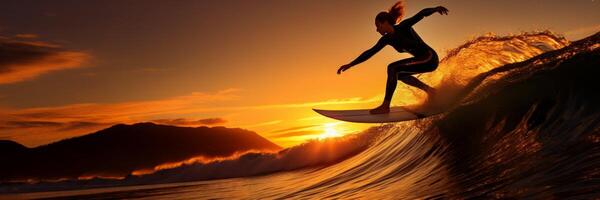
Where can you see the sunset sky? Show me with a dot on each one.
(69, 68)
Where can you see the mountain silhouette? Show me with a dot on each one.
(121, 149)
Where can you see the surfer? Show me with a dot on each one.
(403, 38)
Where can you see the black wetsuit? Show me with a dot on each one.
(404, 39)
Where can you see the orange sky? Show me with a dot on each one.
(71, 68)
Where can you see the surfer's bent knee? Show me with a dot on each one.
(434, 60)
(391, 69)
(429, 61)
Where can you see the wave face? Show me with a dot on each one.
(526, 125)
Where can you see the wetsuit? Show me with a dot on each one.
(404, 39)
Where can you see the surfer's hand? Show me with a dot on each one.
(442, 10)
(343, 68)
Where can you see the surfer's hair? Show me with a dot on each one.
(394, 15)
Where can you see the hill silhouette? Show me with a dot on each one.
(121, 149)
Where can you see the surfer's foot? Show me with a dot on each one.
(383, 108)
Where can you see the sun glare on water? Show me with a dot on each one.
(330, 131)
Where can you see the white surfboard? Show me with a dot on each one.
(396, 114)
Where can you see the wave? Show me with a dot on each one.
(476, 57)
(309, 154)
(531, 133)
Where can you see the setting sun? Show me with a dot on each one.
(330, 131)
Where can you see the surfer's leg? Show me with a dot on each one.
(390, 86)
(406, 66)
(394, 71)
(416, 66)
(412, 81)
(392, 81)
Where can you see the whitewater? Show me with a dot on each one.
(523, 122)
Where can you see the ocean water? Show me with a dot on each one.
(523, 122)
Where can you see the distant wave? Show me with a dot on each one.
(310, 154)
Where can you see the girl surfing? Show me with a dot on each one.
(403, 38)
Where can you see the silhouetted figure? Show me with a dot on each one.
(403, 38)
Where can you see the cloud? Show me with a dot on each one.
(77, 125)
(293, 128)
(295, 133)
(27, 36)
(191, 122)
(63, 126)
(127, 111)
(28, 124)
(337, 102)
(264, 124)
(22, 58)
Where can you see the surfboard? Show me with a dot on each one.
(396, 114)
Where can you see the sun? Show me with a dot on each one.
(330, 131)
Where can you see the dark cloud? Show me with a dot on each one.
(190, 122)
(81, 125)
(30, 124)
(64, 126)
(211, 121)
(23, 58)
(27, 36)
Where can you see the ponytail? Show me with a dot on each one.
(397, 11)
(394, 15)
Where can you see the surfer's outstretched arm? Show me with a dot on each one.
(369, 53)
(424, 13)
(365, 55)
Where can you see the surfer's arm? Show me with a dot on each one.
(369, 53)
(424, 13)
(365, 55)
